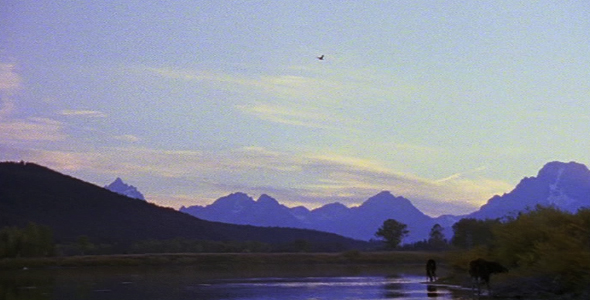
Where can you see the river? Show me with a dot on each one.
(180, 283)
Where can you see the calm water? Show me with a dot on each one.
(175, 283)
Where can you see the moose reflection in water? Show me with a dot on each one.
(431, 291)
(431, 270)
(411, 287)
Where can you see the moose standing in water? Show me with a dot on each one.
(431, 270)
(480, 271)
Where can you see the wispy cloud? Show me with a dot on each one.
(127, 138)
(460, 175)
(297, 87)
(9, 78)
(290, 116)
(10, 83)
(298, 178)
(297, 100)
(83, 113)
(186, 75)
(36, 129)
(22, 129)
(351, 180)
(204, 75)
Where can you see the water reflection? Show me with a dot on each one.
(431, 291)
(188, 283)
(393, 287)
(410, 287)
(26, 285)
(365, 287)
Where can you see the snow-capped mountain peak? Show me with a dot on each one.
(563, 185)
(120, 187)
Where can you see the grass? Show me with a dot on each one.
(229, 259)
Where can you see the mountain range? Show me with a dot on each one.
(563, 185)
(73, 208)
(356, 222)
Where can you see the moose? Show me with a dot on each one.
(481, 269)
(431, 270)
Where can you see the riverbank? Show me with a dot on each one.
(416, 258)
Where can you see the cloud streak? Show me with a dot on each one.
(298, 178)
(460, 175)
(290, 116)
(127, 138)
(9, 78)
(35, 129)
(32, 129)
(295, 100)
(83, 113)
(10, 84)
(293, 178)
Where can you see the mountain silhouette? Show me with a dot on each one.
(239, 208)
(357, 222)
(73, 208)
(562, 185)
(120, 187)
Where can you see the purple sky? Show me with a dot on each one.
(444, 103)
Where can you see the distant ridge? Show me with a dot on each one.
(29, 192)
(74, 208)
(356, 222)
(562, 185)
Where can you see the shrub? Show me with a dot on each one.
(547, 242)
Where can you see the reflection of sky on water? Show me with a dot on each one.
(191, 284)
(320, 288)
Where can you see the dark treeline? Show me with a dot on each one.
(32, 241)
(37, 241)
(182, 245)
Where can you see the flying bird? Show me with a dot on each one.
(321, 57)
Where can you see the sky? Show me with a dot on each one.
(446, 103)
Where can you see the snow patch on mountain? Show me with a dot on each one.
(120, 187)
(563, 185)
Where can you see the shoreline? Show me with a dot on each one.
(212, 259)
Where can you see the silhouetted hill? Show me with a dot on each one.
(74, 208)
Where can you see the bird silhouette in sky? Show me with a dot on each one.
(321, 57)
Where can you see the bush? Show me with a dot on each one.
(548, 242)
